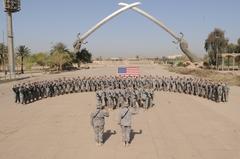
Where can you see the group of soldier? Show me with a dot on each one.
(32, 91)
(136, 98)
(215, 91)
(125, 113)
(125, 93)
(140, 93)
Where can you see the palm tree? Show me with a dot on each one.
(22, 52)
(3, 55)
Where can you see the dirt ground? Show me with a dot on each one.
(178, 127)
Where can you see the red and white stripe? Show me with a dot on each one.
(132, 71)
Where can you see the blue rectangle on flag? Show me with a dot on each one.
(122, 70)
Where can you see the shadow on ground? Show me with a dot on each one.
(108, 134)
(133, 133)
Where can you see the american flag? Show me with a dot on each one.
(128, 71)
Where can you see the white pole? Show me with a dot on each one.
(11, 57)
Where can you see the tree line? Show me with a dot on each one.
(58, 58)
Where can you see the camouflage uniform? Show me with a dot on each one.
(97, 122)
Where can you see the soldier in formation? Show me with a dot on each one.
(113, 99)
(32, 91)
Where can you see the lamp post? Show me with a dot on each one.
(11, 6)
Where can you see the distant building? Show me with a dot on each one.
(173, 57)
(116, 59)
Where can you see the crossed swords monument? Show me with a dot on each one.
(134, 6)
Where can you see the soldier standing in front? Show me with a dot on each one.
(125, 121)
(98, 122)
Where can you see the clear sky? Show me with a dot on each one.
(42, 23)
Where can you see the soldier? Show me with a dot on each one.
(151, 97)
(188, 87)
(114, 98)
(133, 99)
(125, 121)
(120, 99)
(209, 88)
(99, 97)
(109, 99)
(225, 92)
(17, 93)
(219, 92)
(23, 91)
(144, 99)
(98, 122)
